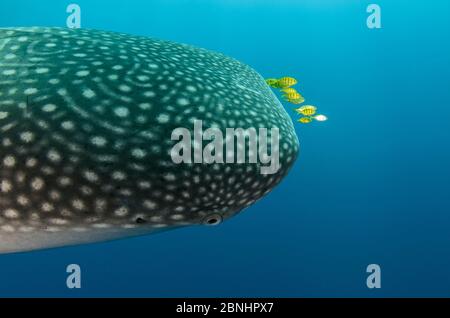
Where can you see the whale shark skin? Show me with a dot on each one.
(85, 135)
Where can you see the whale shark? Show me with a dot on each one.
(86, 118)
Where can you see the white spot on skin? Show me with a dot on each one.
(163, 118)
(177, 217)
(88, 93)
(191, 88)
(183, 101)
(78, 204)
(55, 195)
(143, 78)
(125, 88)
(5, 186)
(169, 197)
(22, 200)
(82, 73)
(121, 112)
(101, 225)
(31, 162)
(91, 176)
(58, 221)
(149, 94)
(9, 161)
(145, 106)
(170, 177)
(149, 204)
(64, 181)
(9, 72)
(42, 70)
(37, 183)
(156, 219)
(122, 211)
(144, 185)
(30, 91)
(67, 125)
(54, 156)
(118, 175)
(49, 108)
(98, 141)
(138, 153)
(47, 207)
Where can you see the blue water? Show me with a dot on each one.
(371, 185)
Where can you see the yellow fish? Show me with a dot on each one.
(307, 110)
(297, 101)
(305, 120)
(292, 96)
(273, 82)
(289, 90)
(286, 82)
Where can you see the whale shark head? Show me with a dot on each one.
(106, 135)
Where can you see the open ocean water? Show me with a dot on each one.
(370, 186)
